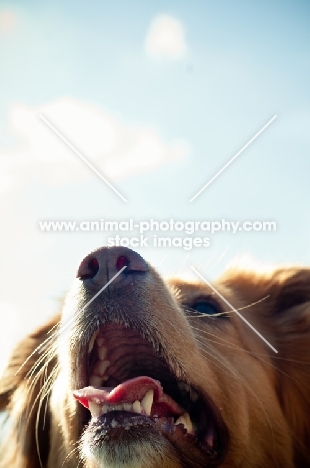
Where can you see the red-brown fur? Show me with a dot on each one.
(263, 397)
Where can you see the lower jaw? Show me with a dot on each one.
(126, 441)
(132, 440)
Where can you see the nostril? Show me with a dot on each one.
(88, 269)
(105, 264)
(121, 262)
(94, 267)
(133, 261)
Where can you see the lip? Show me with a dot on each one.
(178, 410)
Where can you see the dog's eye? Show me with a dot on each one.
(206, 307)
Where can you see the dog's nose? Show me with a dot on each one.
(107, 263)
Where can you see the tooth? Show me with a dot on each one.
(102, 351)
(107, 408)
(136, 406)
(147, 402)
(188, 425)
(100, 341)
(127, 406)
(104, 409)
(94, 409)
(187, 387)
(92, 341)
(184, 387)
(194, 395)
(180, 420)
(186, 421)
(95, 381)
(101, 367)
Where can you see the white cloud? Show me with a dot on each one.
(116, 150)
(166, 38)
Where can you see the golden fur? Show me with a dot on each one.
(262, 398)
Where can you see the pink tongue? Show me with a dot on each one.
(126, 392)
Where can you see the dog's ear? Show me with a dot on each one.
(291, 327)
(24, 398)
(283, 318)
(294, 288)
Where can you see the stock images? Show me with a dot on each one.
(155, 285)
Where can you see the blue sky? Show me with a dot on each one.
(174, 119)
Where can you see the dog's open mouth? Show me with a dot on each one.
(129, 385)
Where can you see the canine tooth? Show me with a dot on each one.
(95, 381)
(102, 352)
(137, 406)
(186, 421)
(127, 406)
(94, 409)
(189, 424)
(147, 402)
(180, 420)
(92, 341)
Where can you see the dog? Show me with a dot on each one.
(141, 372)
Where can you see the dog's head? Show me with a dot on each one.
(145, 373)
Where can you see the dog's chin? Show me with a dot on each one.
(124, 439)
